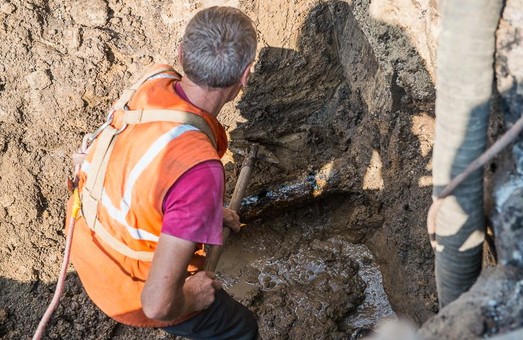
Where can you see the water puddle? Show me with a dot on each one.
(376, 306)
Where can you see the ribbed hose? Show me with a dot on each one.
(464, 83)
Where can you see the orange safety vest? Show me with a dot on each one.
(154, 138)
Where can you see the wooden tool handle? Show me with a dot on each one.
(214, 252)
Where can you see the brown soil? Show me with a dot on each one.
(342, 94)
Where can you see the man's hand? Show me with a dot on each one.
(168, 294)
(231, 219)
(201, 287)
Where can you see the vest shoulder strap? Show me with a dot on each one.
(176, 116)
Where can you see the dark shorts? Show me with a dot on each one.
(226, 318)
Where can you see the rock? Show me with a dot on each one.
(38, 80)
(6, 200)
(6, 7)
(90, 13)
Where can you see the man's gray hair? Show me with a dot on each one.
(218, 45)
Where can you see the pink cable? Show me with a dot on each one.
(40, 331)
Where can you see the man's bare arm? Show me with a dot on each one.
(167, 294)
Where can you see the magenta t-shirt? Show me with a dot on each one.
(193, 205)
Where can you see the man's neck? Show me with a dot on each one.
(209, 100)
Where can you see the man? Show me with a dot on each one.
(152, 189)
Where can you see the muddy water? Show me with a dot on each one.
(376, 307)
(303, 278)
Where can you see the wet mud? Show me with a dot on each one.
(303, 279)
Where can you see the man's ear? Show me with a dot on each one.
(245, 75)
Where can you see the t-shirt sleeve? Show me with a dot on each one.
(193, 206)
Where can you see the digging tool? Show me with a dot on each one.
(214, 252)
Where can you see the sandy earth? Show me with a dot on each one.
(342, 94)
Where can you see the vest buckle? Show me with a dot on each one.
(108, 121)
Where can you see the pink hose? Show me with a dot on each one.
(63, 271)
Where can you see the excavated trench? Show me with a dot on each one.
(335, 241)
(304, 276)
(333, 210)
